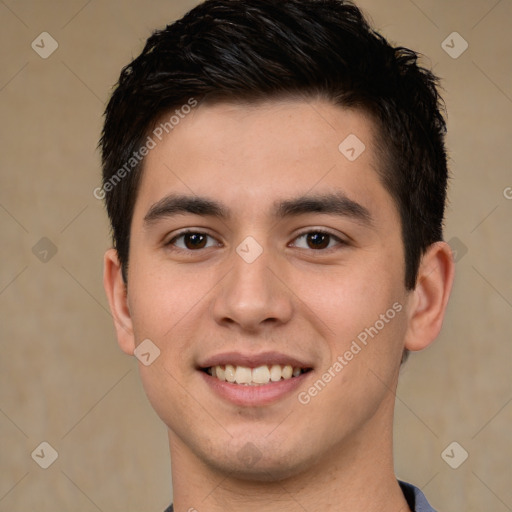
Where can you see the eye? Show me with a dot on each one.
(318, 240)
(192, 240)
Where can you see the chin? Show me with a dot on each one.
(251, 464)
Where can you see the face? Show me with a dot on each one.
(263, 253)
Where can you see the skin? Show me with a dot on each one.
(334, 453)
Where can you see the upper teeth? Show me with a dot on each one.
(260, 375)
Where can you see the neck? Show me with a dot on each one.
(355, 476)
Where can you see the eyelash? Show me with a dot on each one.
(339, 241)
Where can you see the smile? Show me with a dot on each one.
(261, 375)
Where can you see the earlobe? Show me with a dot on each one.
(115, 289)
(430, 297)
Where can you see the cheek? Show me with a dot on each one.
(363, 327)
(346, 300)
(162, 298)
(167, 308)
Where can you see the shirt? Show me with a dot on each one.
(414, 497)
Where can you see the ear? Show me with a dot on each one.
(117, 294)
(430, 296)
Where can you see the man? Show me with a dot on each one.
(275, 175)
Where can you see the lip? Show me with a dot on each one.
(252, 360)
(254, 396)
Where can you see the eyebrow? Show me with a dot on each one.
(172, 205)
(333, 203)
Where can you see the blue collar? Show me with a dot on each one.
(415, 499)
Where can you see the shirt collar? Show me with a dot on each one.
(415, 498)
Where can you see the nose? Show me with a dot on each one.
(253, 296)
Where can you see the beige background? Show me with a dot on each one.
(63, 379)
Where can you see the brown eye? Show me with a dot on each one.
(194, 240)
(317, 240)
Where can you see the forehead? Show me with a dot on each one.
(247, 154)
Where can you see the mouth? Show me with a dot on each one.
(254, 380)
(257, 376)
